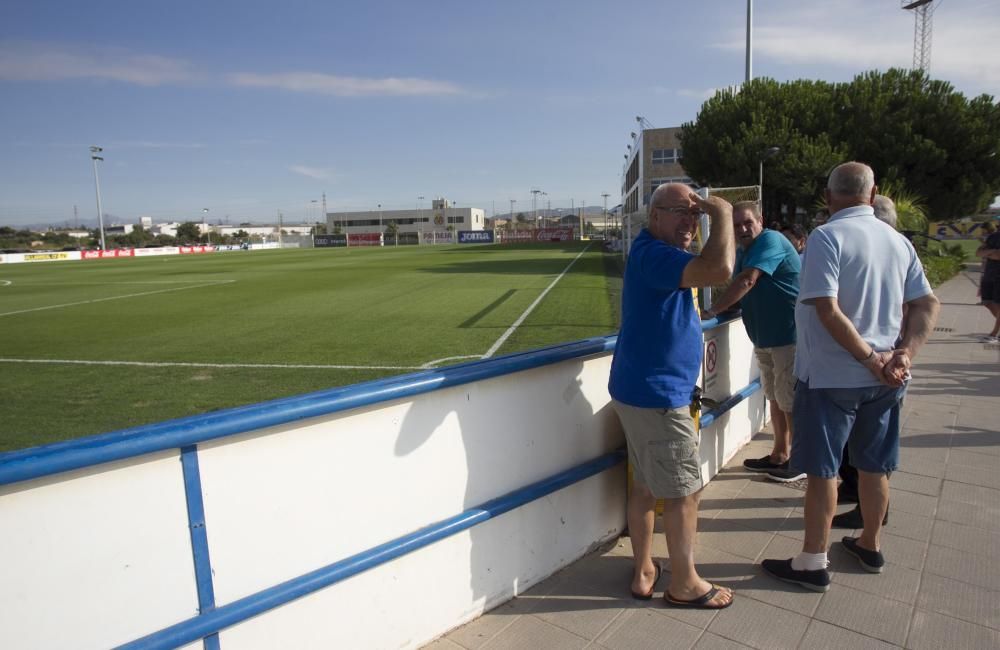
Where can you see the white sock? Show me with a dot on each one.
(809, 562)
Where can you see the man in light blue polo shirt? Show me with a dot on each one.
(858, 274)
(766, 284)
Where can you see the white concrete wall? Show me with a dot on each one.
(100, 556)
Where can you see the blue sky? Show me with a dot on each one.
(247, 108)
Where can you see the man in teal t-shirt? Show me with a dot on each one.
(766, 283)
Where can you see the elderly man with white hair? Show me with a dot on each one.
(852, 364)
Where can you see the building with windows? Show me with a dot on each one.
(439, 217)
(654, 157)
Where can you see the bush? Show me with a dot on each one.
(941, 261)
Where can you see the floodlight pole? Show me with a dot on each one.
(420, 212)
(97, 185)
(605, 195)
(749, 55)
(204, 222)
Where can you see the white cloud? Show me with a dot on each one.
(326, 84)
(24, 61)
(318, 173)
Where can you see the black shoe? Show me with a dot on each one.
(853, 520)
(785, 475)
(870, 561)
(846, 495)
(818, 580)
(763, 464)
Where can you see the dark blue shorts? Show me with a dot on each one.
(826, 419)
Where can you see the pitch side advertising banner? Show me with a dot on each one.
(555, 234)
(166, 250)
(475, 236)
(324, 241)
(540, 235)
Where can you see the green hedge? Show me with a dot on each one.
(941, 261)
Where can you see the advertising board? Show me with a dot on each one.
(475, 237)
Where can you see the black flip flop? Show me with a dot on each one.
(648, 596)
(701, 602)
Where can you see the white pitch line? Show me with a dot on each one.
(6, 283)
(130, 295)
(531, 307)
(431, 364)
(185, 364)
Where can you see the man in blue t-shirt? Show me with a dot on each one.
(653, 373)
(766, 284)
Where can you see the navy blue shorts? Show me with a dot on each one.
(826, 419)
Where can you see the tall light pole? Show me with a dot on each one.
(97, 185)
(204, 224)
(324, 213)
(749, 55)
(605, 195)
(767, 153)
(534, 204)
(420, 211)
(511, 223)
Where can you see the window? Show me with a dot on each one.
(665, 156)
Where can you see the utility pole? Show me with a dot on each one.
(76, 218)
(324, 212)
(281, 226)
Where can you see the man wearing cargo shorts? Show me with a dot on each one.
(766, 284)
(656, 364)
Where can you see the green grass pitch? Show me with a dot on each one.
(375, 312)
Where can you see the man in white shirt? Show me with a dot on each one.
(858, 274)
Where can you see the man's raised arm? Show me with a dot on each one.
(715, 263)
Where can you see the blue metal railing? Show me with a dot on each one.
(186, 433)
(36, 462)
(219, 618)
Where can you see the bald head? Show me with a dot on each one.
(885, 209)
(849, 185)
(669, 194)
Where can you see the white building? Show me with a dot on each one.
(438, 218)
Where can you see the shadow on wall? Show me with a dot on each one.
(529, 443)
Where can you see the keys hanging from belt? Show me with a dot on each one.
(698, 399)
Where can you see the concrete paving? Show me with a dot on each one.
(940, 587)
